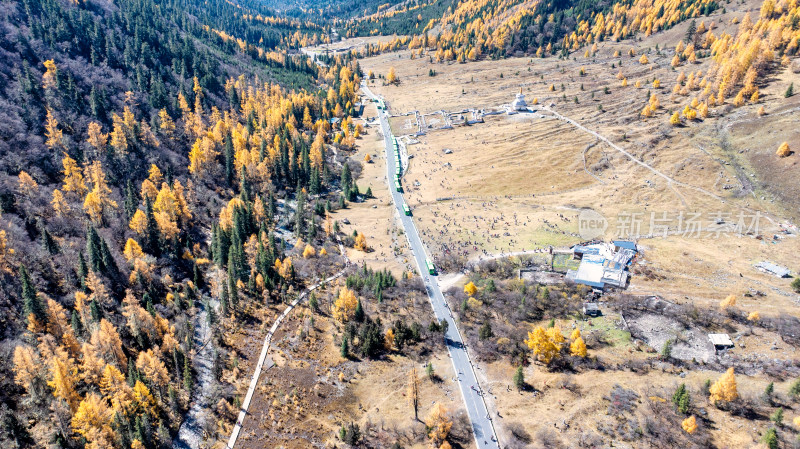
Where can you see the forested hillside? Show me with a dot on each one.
(155, 155)
(470, 30)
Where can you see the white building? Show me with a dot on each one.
(519, 104)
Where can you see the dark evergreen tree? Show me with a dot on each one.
(131, 199)
(299, 215)
(245, 192)
(346, 180)
(358, 315)
(187, 375)
(314, 185)
(234, 290)
(94, 250)
(83, 270)
(312, 302)
(519, 378)
(95, 312)
(151, 242)
(485, 331)
(32, 305)
(76, 324)
(237, 262)
(48, 242)
(224, 299)
(230, 170)
(110, 267)
(197, 276)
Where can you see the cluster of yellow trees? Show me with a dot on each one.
(76, 371)
(740, 60)
(78, 355)
(476, 27)
(546, 344)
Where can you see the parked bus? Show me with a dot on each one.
(406, 210)
(429, 265)
(397, 186)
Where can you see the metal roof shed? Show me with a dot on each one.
(624, 244)
(773, 269)
(720, 341)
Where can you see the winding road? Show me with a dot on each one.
(482, 425)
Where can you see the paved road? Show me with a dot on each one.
(482, 426)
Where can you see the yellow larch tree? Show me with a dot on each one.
(439, 424)
(148, 190)
(63, 378)
(470, 289)
(728, 302)
(132, 250)
(309, 252)
(60, 206)
(166, 124)
(27, 366)
(27, 185)
(316, 151)
(784, 150)
(202, 155)
(724, 389)
(50, 74)
(140, 322)
(138, 222)
(93, 419)
(154, 175)
(153, 368)
(105, 340)
(5, 252)
(116, 389)
(143, 400)
(73, 178)
(345, 305)
(119, 141)
(361, 242)
(578, 347)
(96, 139)
(391, 77)
(285, 268)
(703, 110)
(98, 200)
(689, 425)
(51, 131)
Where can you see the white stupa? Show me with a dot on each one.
(519, 103)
